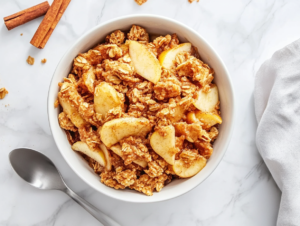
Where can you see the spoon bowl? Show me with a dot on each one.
(40, 172)
(36, 169)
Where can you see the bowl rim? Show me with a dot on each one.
(225, 146)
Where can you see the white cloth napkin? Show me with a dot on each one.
(277, 109)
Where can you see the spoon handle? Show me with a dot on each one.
(104, 219)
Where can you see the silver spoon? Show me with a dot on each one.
(39, 171)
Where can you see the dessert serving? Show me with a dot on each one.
(141, 111)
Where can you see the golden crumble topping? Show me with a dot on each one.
(117, 37)
(30, 60)
(163, 43)
(107, 177)
(130, 130)
(138, 33)
(147, 184)
(155, 169)
(192, 132)
(3, 92)
(205, 148)
(213, 133)
(197, 70)
(126, 177)
(167, 88)
(72, 137)
(65, 122)
(44, 60)
(94, 165)
(189, 156)
(134, 148)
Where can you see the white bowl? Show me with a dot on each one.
(155, 25)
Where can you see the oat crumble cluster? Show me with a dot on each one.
(30, 60)
(3, 92)
(140, 127)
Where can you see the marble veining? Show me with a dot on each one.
(241, 190)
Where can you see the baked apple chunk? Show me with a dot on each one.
(117, 129)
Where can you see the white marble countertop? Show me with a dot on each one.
(241, 190)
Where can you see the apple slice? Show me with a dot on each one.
(105, 98)
(178, 114)
(144, 62)
(107, 156)
(115, 130)
(206, 102)
(96, 154)
(118, 150)
(183, 171)
(167, 57)
(89, 79)
(207, 119)
(191, 117)
(70, 109)
(165, 145)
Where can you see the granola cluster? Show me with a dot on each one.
(134, 163)
(3, 92)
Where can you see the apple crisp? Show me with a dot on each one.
(141, 112)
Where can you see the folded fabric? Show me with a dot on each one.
(277, 109)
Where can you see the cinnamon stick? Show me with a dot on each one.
(46, 23)
(61, 11)
(26, 15)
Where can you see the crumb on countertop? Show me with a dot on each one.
(30, 60)
(44, 60)
(140, 2)
(3, 92)
(21, 34)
